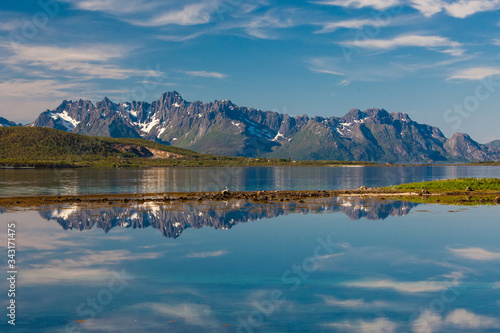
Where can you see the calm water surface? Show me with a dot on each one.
(333, 265)
(96, 181)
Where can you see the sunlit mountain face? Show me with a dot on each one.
(224, 128)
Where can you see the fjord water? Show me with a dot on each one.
(155, 180)
(329, 265)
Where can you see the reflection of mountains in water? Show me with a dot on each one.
(171, 220)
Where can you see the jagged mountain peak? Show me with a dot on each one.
(401, 116)
(461, 136)
(221, 127)
(380, 115)
(107, 104)
(354, 114)
(171, 94)
(462, 147)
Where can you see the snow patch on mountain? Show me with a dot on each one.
(146, 127)
(278, 136)
(66, 120)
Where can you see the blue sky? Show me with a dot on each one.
(437, 60)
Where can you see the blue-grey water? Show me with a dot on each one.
(331, 265)
(328, 265)
(97, 181)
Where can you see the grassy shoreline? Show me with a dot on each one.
(467, 191)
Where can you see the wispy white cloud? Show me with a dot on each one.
(430, 42)
(476, 253)
(495, 41)
(190, 14)
(427, 7)
(350, 24)
(215, 75)
(458, 8)
(322, 65)
(206, 254)
(10, 25)
(182, 38)
(114, 6)
(36, 88)
(475, 73)
(464, 319)
(377, 4)
(263, 26)
(405, 287)
(93, 61)
(464, 8)
(379, 325)
(325, 71)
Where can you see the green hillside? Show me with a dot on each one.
(49, 147)
(46, 147)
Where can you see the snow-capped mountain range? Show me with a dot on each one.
(223, 128)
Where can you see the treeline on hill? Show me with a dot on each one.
(46, 147)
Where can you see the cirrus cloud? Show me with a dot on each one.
(475, 73)
(458, 9)
(377, 4)
(450, 46)
(215, 75)
(476, 253)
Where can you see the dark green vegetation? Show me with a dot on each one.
(46, 147)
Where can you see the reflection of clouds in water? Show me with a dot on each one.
(413, 260)
(405, 287)
(45, 242)
(79, 270)
(379, 325)
(464, 319)
(430, 322)
(191, 314)
(155, 317)
(476, 253)
(354, 303)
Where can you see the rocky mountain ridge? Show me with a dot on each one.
(223, 128)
